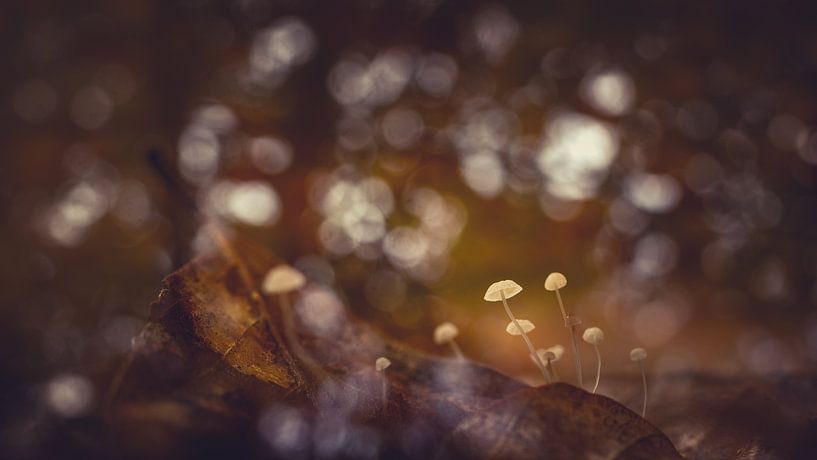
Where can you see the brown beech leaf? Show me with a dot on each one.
(224, 368)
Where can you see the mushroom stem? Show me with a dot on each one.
(385, 393)
(292, 339)
(552, 371)
(561, 306)
(536, 358)
(456, 348)
(598, 369)
(574, 341)
(644, 383)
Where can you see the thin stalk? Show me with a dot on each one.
(644, 382)
(536, 358)
(598, 369)
(457, 350)
(298, 350)
(574, 340)
(552, 371)
(385, 395)
(561, 306)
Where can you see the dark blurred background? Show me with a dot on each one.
(404, 155)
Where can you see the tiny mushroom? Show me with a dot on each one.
(550, 356)
(283, 279)
(553, 283)
(639, 355)
(380, 365)
(595, 336)
(447, 333)
(519, 327)
(501, 291)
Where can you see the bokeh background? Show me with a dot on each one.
(404, 155)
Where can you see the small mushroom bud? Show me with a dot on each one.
(639, 355)
(594, 336)
(501, 291)
(550, 356)
(446, 333)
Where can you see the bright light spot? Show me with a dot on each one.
(402, 128)
(70, 395)
(356, 82)
(575, 155)
(484, 173)
(611, 92)
(808, 149)
(654, 193)
(35, 100)
(437, 74)
(67, 222)
(199, 152)
(91, 107)
(217, 118)
(277, 49)
(286, 430)
(489, 129)
(655, 255)
(251, 203)
(496, 31)
(405, 247)
(320, 310)
(270, 155)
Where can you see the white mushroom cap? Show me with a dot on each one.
(283, 278)
(555, 281)
(546, 354)
(445, 333)
(526, 326)
(593, 336)
(557, 351)
(381, 363)
(638, 354)
(507, 287)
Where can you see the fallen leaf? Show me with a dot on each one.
(221, 364)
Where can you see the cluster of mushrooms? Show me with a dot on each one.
(284, 279)
(544, 358)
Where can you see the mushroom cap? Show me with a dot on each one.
(445, 333)
(557, 351)
(593, 336)
(638, 354)
(283, 278)
(381, 363)
(555, 281)
(526, 326)
(507, 287)
(545, 355)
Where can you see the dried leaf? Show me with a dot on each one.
(218, 355)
